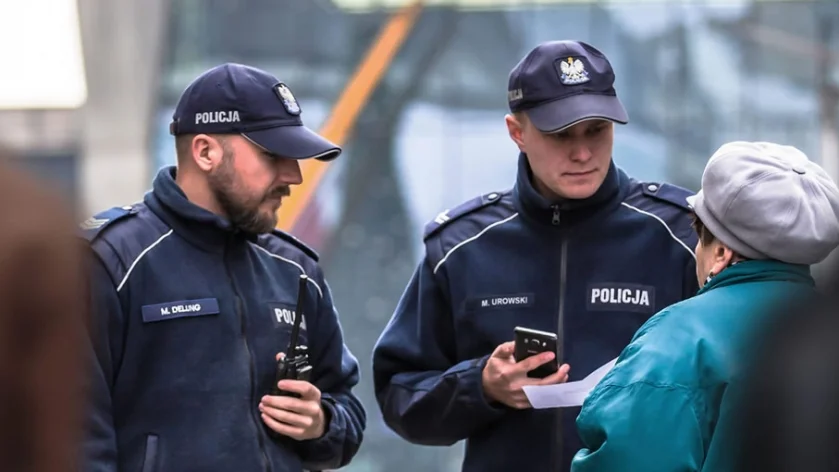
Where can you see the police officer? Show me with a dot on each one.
(577, 248)
(195, 295)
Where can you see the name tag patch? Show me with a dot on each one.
(180, 309)
(621, 297)
(284, 315)
(516, 300)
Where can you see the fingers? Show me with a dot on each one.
(293, 417)
(283, 403)
(504, 350)
(294, 405)
(560, 376)
(306, 390)
(287, 417)
(534, 361)
(280, 355)
(295, 432)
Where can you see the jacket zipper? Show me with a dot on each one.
(251, 366)
(560, 338)
(560, 333)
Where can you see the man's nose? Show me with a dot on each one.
(580, 152)
(290, 173)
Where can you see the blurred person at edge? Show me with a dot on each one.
(194, 301)
(43, 313)
(790, 423)
(577, 247)
(765, 213)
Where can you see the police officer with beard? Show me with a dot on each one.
(194, 295)
(577, 248)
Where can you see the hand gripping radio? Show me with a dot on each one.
(295, 364)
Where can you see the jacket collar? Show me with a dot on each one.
(760, 271)
(566, 212)
(200, 227)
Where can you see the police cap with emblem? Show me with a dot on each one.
(235, 98)
(768, 201)
(561, 83)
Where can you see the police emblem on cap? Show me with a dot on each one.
(289, 102)
(573, 72)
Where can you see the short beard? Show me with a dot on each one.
(243, 213)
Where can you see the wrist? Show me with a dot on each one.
(486, 390)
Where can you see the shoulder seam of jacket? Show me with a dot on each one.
(669, 231)
(464, 209)
(140, 256)
(300, 267)
(469, 240)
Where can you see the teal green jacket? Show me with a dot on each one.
(668, 404)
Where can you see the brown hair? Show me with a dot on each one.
(702, 231)
(706, 237)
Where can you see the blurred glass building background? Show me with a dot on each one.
(692, 74)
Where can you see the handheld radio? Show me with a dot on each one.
(295, 364)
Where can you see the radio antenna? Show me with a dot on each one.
(298, 315)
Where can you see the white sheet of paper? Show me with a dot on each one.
(566, 394)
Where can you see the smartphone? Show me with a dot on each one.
(530, 342)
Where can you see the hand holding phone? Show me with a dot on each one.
(503, 376)
(530, 342)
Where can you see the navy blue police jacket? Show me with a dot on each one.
(189, 316)
(592, 271)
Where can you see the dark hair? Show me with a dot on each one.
(702, 231)
(706, 237)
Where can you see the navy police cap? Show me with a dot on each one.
(561, 83)
(239, 99)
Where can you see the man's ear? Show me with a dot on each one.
(207, 152)
(515, 128)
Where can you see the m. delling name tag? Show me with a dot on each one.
(180, 309)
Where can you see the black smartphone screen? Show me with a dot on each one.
(530, 342)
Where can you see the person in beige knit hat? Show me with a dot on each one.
(765, 213)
